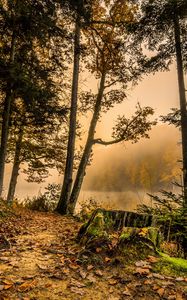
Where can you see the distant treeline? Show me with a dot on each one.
(150, 166)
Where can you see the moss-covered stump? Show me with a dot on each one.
(119, 231)
(114, 220)
(139, 242)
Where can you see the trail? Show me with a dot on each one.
(43, 262)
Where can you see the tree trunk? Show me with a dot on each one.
(68, 174)
(183, 114)
(15, 169)
(182, 102)
(6, 111)
(87, 150)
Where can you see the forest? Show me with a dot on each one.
(65, 67)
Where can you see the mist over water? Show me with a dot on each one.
(128, 200)
(120, 176)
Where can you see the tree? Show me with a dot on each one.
(36, 144)
(31, 44)
(67, 183)
(81, 13)
(108, 60)
(162, 28)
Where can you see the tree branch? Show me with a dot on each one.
(107, 143)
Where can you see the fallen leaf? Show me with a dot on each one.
(90, 267)
(179, 279)
(77, 291)
(158, 276)
(99, 273)
(143, 264)
(112, 281)
(83, 274)
(91, 278)
(42, 267)
(161, 292)
(65, 271)
(148, 281)
(26, 286)
(74, 266)
(8, 282)
(77, 283)
(152, 259)
(142, 271)
(126, 292)
(7, 286)
(156, 287)
(171, 297)
(107, 259)
(62, 260)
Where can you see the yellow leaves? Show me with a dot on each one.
(123, 12)
(143, 232)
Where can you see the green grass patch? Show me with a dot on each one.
(171, 265)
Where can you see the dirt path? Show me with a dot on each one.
(43, 262)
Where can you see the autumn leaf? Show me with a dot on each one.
(90, 267)
(107, 259)
(152, 259)
(74, 266)
(26, 286)
(99, 273)
(161, 292)
(112, 281)
(142, 271)
(8, 286)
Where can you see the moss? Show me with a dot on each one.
(125, 235)
(154, 235)
(96, 228)
(171, 266)
(178, 263)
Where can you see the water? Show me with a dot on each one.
(128, 200)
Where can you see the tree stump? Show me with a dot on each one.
(120, 231)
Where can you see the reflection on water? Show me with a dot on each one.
(115, 200)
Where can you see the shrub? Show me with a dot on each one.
(46, 201)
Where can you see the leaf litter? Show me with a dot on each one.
(43, 262)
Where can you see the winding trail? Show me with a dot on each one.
(43, 262)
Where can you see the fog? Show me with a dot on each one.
(120, 176)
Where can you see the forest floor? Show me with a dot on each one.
(40, 259)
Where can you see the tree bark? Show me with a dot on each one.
(6, 110)
(182, 102)
(88, 148)
(68, 174)
(15, 169)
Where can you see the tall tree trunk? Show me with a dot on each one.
(183, 118)
(182, 102)
(6, 109)
(15, 169)
(68, 174)
(87, 150)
